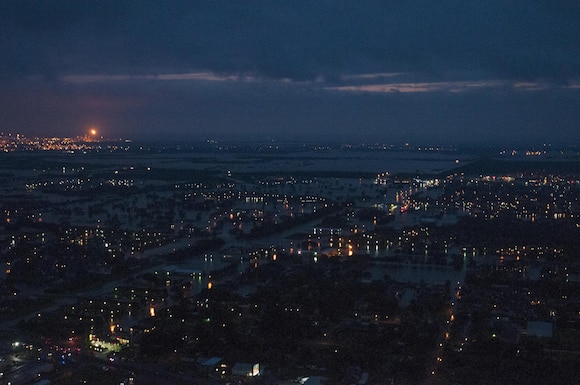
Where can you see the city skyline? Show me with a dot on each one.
(420, 72)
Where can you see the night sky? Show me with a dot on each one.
(425, 72)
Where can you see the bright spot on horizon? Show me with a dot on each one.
(93, 132)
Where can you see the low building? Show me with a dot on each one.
(244, 369)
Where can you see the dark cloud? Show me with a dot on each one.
(296, 39)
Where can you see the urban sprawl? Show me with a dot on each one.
(215, 263)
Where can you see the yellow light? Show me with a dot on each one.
(93, 132)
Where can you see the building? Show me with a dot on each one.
(246, 369)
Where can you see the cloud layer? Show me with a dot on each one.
(299, 40)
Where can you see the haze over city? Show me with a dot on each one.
(457, 72)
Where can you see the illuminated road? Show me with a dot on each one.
(444, 335)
